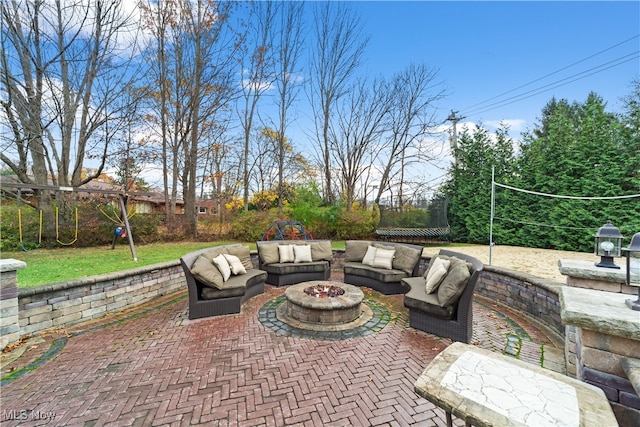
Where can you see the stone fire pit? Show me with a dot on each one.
(322, 302)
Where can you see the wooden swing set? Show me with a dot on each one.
(122, 197)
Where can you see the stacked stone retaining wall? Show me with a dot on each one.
(534, 296)
(66, 303)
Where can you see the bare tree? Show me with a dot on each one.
(213, 52)
(63, 69)
(257, 75)
(265, 172)
(220, 170)
(295, 167)
(158, 20)
(129, 150)
(360, 126)
(289, 41)
(414, 91)
(194, 63)
(337, 52)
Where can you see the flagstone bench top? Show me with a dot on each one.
(488, 389)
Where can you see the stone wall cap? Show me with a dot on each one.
(90, 280)
(11, 264)
(588, 270)
(599, 311)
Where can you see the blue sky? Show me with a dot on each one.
(484, 49)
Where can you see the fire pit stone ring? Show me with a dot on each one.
(323, 309)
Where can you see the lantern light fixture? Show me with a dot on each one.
(608, 245)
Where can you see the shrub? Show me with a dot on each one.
(357, 223)
(249, 226)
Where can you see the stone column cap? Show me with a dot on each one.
(11, 264)
(588, 270)
(599, 311)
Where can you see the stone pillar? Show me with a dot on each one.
(606, 346)
(585, 274)
(9, 321)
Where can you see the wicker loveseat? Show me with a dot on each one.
(288, 262)
(384, 277)
(447, 310)
(209, 294)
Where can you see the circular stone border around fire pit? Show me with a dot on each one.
(308, 311)
(366, 325)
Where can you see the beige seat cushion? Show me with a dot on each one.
(418, 299)
(234, 287)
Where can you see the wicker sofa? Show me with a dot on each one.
(387, 278)
(314, 262)
(209, 295)
(446, 311)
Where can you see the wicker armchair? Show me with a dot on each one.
(454, 321)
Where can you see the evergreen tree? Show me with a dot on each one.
(577, 150)
(470, 185)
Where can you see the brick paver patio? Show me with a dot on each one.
(152, 366)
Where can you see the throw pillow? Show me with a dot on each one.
(432, 262)
(454, 283)
(406, 258)
(207, 273)
(286, 253)
(243, 253)
(221, 262)
(268, 253)
(384, 258)
(370, 256)
(302, 253)
(210, 254)
(354, 250)
(321, 251)
(235, 264)
(436, 273)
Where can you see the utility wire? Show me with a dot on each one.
(554, 72)
(481, 108)
(559, 83)
(557, 196)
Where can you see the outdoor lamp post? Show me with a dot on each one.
(633, 269)
(608, 242)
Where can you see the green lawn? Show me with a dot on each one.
(56, 265)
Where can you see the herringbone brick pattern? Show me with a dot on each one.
(161, 369)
